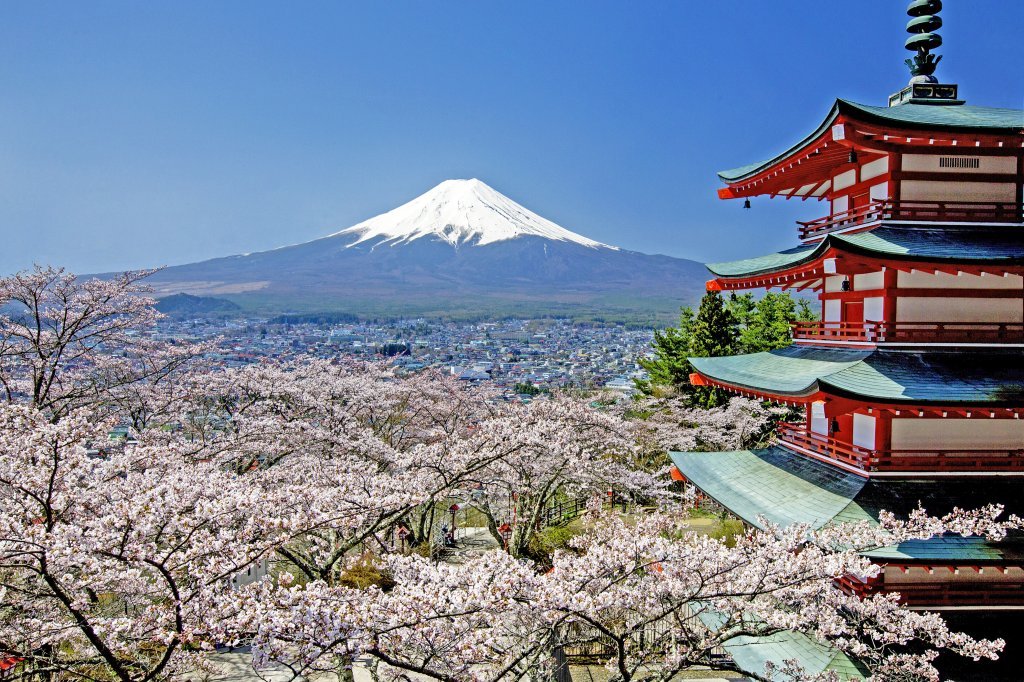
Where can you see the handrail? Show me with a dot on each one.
(899, 209)
(938, 593)
(868, 459)
(854, 216)
(909, 332)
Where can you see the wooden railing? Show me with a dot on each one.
(940, 593)
(910, 332)
(838, 221)
(959, 593)
(799, 436)
(867, 459)
(892, 209)
(955, 211)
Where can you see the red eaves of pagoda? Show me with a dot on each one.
(810, 275)
(817, 161)
(838, 405)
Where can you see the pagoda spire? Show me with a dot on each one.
(924, 21)
(924, 87)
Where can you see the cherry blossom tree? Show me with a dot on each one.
(658, 597)
(563, 449)
(67, 343)
(116, 561)
(672, 425)
(110, 560)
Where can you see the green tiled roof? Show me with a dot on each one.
(774, 483)
(931, 243)
(783, 487)
(930, 116)
(751, 653)
(955, 117)
(944, 377)
(773, 262)
(949, 548)
(794, 370)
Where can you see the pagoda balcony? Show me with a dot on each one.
(925, 211)
(799, 438)
(938, 594)
(909, 332)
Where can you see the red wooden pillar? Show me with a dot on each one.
(883, 436)
(890, 280)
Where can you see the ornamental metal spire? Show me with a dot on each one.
(922, 26)
(924, 87)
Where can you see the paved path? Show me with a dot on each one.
(470, 542)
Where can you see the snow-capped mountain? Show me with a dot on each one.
(461, 212)
(461, 248)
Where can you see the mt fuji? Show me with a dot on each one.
(460, 249)
(457, 212)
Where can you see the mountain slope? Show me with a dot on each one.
(460, 211)
(460, 249)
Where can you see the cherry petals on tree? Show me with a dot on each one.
(123, 561)
(111, 561)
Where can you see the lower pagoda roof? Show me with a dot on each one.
(784, 488)
(990, 378)
(752, 652)
(931, 243)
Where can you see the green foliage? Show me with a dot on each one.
(710, 332)
(769, 326)
(804, 311)
(528, 388)
(544, 543)
(739, 324)
(669, 366)
(389, 350)
(727, 529)
(715, 334)
(743, 307)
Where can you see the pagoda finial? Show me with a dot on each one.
(922, 25)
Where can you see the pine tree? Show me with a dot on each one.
(669, 366)
(714, 334)
(742, 307)
(769, 326)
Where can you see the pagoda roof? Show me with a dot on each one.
(783, 488)
(752, 652)
(931, 243)
(991, 378)
(953, 118)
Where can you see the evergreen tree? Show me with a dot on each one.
(804, 311)
(722, 326)
(669, 366)
(714, 334)
(769, 326)
(742, 307)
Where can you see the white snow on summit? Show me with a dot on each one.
(461, 212)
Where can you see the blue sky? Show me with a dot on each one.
(145, 133)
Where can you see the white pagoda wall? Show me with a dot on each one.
(976, 433)
(942, 280)
(958, 310)
(937, 190)
(954, 309)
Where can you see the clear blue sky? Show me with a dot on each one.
(145, 133)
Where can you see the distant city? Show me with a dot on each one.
(520, 357)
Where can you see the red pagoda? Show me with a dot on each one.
(913, 378)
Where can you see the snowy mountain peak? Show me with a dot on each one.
(461, 212)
